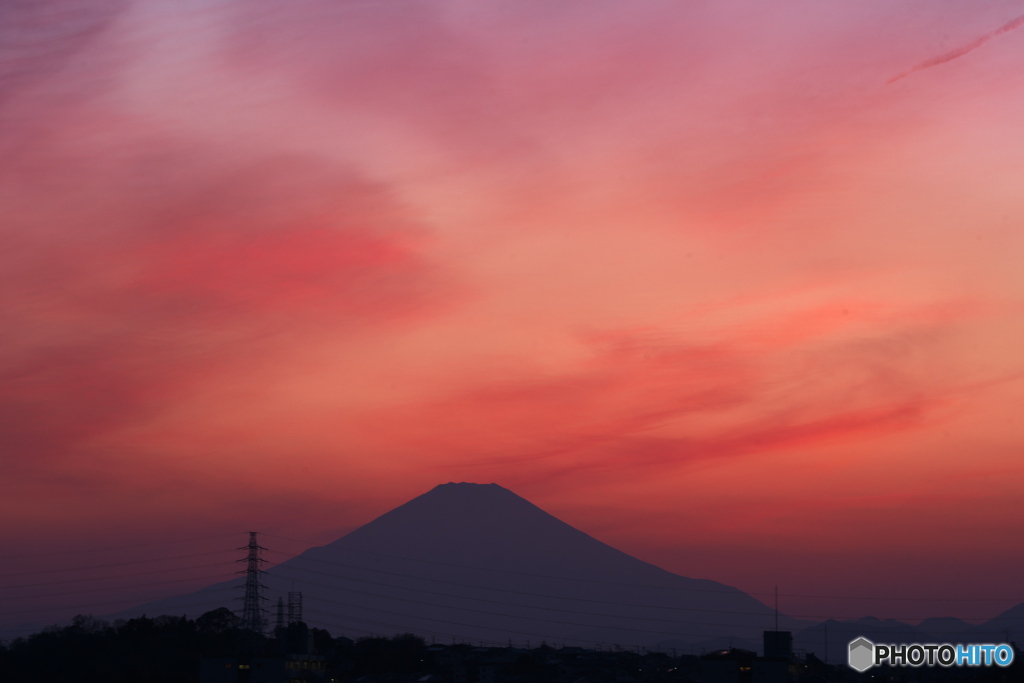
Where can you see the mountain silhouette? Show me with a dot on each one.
(829, 639)
(477, 563)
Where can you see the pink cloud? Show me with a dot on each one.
(647, 402)
(141, 299)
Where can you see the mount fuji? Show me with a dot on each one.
(477, 563)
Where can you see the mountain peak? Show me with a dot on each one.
(463, 518)
(470, 493)
(453, 486)
(487, 525)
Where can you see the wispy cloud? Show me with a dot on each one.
(961, 51)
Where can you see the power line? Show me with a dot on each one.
(111, 564)
(457, 623)
(377, 571)
(117, 576)
(516, 573)
(520, 605)
(106, 604)
(555, 609)
(516, 605)
(314, 544)
(211, 577)
(502, 629)
(460, 637)
(283, 568)
(347, 627)
(515, 616)
(193, 539)
(330, 548)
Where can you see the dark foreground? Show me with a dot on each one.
(212, 649)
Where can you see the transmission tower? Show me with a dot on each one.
(294, 607)
(280, 622)
(252, 606)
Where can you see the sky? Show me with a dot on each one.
(734, 287)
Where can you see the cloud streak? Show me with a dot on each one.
(1014, 23)
(645, 401)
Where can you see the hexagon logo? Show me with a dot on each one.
(862, 654)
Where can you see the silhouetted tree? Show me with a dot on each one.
(219, 620)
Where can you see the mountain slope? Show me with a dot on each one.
(476, 562)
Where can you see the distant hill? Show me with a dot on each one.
(1006, 627)
(476, 562)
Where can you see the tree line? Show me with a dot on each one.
(169, 649)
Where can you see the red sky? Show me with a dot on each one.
(735, 287)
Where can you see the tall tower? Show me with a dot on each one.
(294, 607)
(252, 606)
(280, 623)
